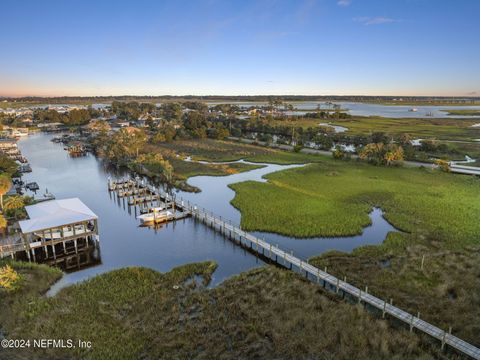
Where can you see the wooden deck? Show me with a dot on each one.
(467, 170)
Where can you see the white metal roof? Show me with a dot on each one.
(55, 213)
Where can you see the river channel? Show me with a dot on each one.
(124, 243)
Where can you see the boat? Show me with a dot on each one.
(413, 110)
(48, 195)
(158, 214)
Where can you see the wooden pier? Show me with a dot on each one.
(283, 258)
(463, 169)
(137, 192)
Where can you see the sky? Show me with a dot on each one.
(239, 47)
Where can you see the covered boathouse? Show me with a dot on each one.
(58, 227)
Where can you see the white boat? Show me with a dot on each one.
(413, 110)
(157, 215)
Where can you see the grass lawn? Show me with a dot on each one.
(137, 313)
(438, 213)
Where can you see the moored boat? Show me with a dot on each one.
(157, 215)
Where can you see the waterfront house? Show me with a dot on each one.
(58, 227)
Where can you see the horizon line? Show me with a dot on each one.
(3, 97)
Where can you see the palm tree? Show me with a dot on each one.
(5, 185)
(14, 202)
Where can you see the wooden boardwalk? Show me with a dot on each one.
(281, 257)
(467, 170)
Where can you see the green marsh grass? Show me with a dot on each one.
(265, 313)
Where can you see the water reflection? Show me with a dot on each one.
(124, 243)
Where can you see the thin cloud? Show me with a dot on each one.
(471, 93)
(377, 20)
(344, 3)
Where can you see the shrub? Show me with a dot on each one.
(8, 278)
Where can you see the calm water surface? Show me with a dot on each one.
(124, 243)
(365, 109)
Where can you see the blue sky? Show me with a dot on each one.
(390, 47)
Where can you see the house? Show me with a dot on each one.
(58, 227)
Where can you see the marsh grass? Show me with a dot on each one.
(446, 291)
(266, 313)
(470, 112)
(221, 151)
(453, 129)
(333, 199)
(437, 212)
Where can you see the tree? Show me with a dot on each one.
(443, 165)
(156, 164)
(338, 153)
(3, 222)
(372, 152)
(7, 165)
(381, 154)
(14, 202)
(393, 155)
(5, 185)
(379, 137)
(125, 144)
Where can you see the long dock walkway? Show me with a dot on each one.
(281, 257)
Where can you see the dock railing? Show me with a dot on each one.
(284, 258)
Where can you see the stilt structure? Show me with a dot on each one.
(58, 227)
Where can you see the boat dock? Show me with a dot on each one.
(149, 200)
(282, 258)
(341, 287)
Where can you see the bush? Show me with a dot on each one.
(9, 278)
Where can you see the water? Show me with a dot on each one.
(123, 243)
(216, 197)
(365, 109)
